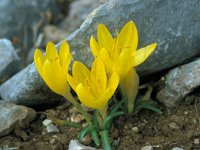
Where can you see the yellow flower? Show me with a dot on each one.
(53, 67)
(119, 54)
(93, 88)
(129, 87)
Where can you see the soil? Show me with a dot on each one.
(177, 127)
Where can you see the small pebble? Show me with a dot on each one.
(75, 145)
(86, 140)
(194, 121)
(52, 129)
(135, 129)
(73, 110)
(46, 122)
(196, 141)
(147, 148)
(77, 118)
(177, 148)
(52, 141)
(173, 125)
(85, 124)
(186, 113)
(125, 127)
(43, 133)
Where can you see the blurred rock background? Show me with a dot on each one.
(32, 23)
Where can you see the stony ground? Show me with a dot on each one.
(177, 127)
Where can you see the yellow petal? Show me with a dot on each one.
(86, 98)
(129, 86)
(51, 51)
(39, 54)
(39, 61)
(108, 62)
(94, 47)
(105, 97)
(98, 71)
(64, 51)
(142, 54)
(113, 82)
(54, 79)
(49, 76)
(124, 62)
(105, 38)
(65, 57)
(72, 82)
(128, 37)
(80, 72)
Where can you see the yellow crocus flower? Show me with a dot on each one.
(93, 88)
(119, 54)
(53, 67)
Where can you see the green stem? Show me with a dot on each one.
(65, 122)
(78, 106)
(105, 140)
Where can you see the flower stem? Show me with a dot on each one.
(105, 140)
(65, 122)
(78, 106)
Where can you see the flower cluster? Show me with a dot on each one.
(113, 66)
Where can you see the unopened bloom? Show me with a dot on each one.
(119, 54)
(53, 67)
(94, 88)
(129, 87)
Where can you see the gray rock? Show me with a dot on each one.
(177, 148)
(147, 148)
(79, 10)
(9, 60)
(179, 82)
(20, 18)
(173, 125)
(46, 122)
(13, 116)
(196, 141)
(75, 145)
(27, 88)
(51, 128)
(174, 25)
(135, 129)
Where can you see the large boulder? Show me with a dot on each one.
(22, 19)
(13, 116)
(9, 60)
(174, 25)
(27, 88)
(180, 81)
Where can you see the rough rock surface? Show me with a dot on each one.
(179, 82)
(75, 145)
(27, 88)
(79, 10)
(174, 25)
(13, 116)
(18, 18)
(9, 59)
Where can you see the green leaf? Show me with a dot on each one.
(83, 132)
(146, 105)
(116, 106)
(95, 137)
(109, 119)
